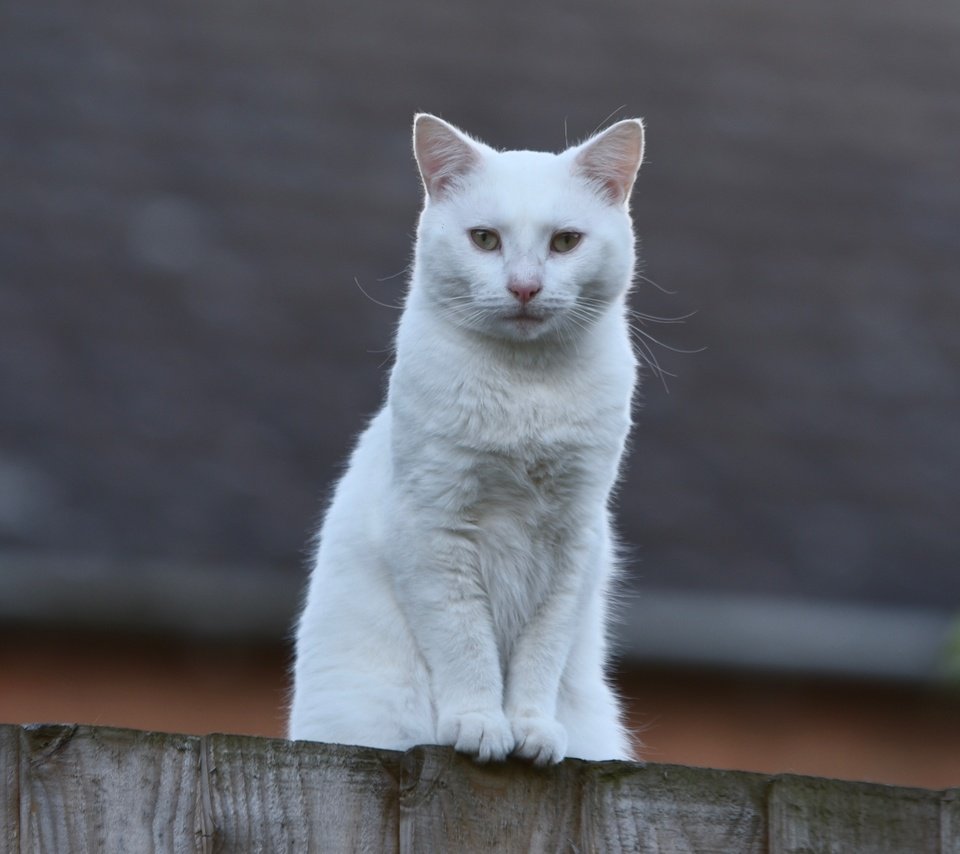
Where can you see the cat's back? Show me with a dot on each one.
(355, 517)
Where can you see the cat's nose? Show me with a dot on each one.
(524, 289)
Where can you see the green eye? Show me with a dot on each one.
(485, 239)
(564, 241)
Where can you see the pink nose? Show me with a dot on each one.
(524, 291)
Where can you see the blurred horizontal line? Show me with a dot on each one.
(786, 635)
(257, 604)
(204, 601)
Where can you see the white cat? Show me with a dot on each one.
(461, 584)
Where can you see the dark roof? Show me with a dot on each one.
(190, 191)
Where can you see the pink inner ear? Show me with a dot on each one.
(610, 161)
(442, 154)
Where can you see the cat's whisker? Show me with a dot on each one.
(563, 342)
(588, 309)
(653, 318)
(356, 281)
(650, 281)
(608, 118)
(461, 316)
(591, 303)
(581, 321)
(648, 357)
(404, 272)
(663, 344)
(588, 300)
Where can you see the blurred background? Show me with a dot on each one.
(194, 196)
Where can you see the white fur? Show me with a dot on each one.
(461, 584)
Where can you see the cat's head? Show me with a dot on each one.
(522, 244)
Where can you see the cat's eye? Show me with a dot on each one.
(564, 241)
(485, 238)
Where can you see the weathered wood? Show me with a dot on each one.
(84, 789)
(87, 789)
(950, 822)
(271, 796)
(672, 808)
(103, 790)
(448, 803)
(9, 788)
(808, 814)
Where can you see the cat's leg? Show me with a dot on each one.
(369, 715)
(358, 676)
(587, 705)
(590, 713)
(572, 694)
(365, 705)
(533, 679)
(540, 654)
(438, 586)
(357, 681)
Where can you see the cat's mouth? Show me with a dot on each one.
(523, 317)
(524, 323)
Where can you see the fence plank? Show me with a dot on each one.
(658, 808)
(102, 790)
(808, 814)
(950, 822)
(87, 789)
(447, 803)
(9, 789)
(270, 796)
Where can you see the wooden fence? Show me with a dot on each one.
(67, 789)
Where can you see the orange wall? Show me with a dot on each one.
(854, 731)
(880, 733)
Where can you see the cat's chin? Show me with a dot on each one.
(523, 327)
(524, 321)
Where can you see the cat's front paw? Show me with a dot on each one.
(485, 736)
(539, 740)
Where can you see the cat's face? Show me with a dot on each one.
(522, 244)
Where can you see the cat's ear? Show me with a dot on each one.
(610, 160)
(444, 153)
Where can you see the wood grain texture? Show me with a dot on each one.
(270, 796)
(658, 808)
(93, 790)
(449, 803)
(812, 815)
(88, 789)
(950, 822)
(9, 788)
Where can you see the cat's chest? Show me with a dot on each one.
(522, 454)
(476, 436)
(539, 475)
(534, 422)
